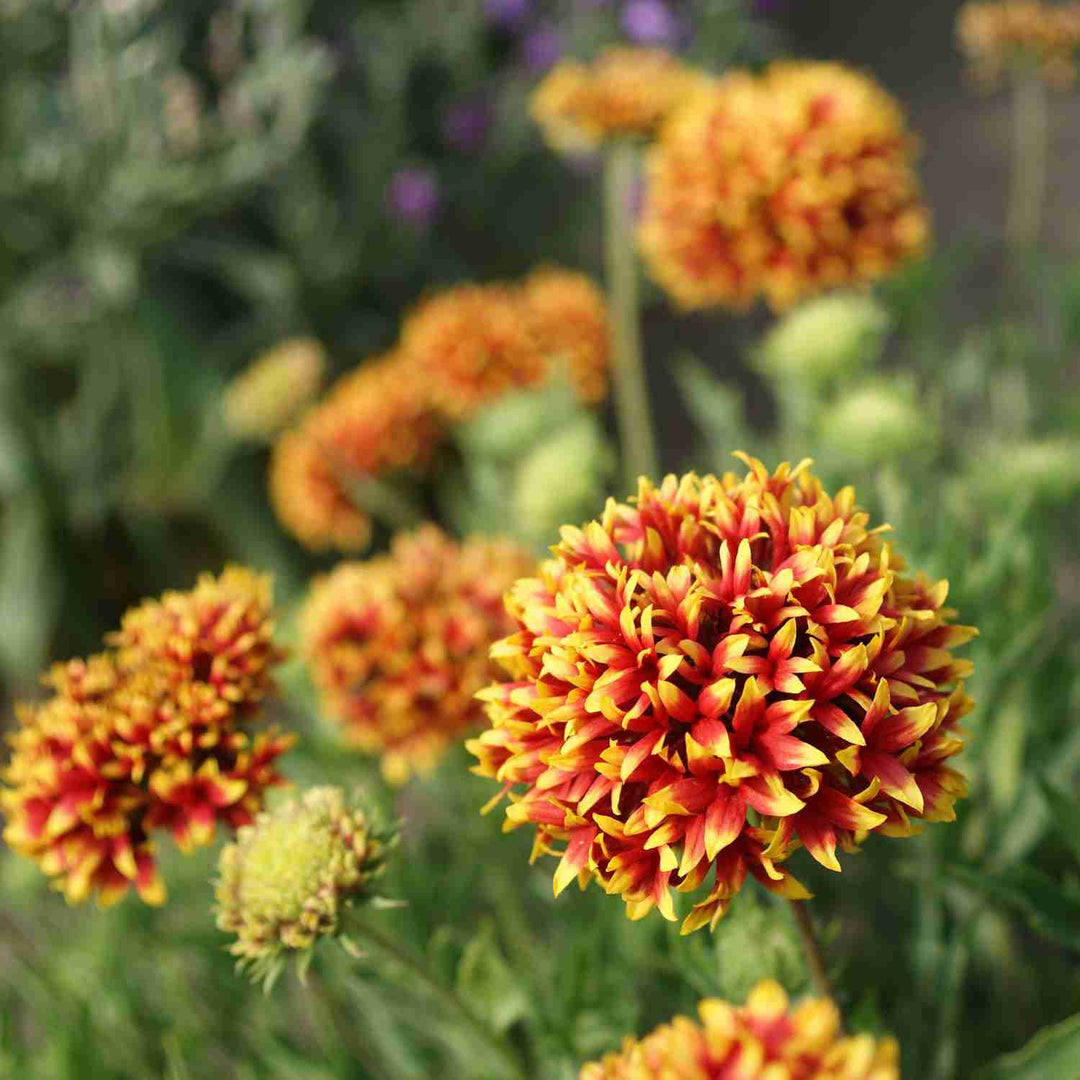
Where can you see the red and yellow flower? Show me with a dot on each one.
(570, 319)
(786, 184)
(398, 645)
(373, 422)
(152, 736)
(707, 680)
(765, 1039)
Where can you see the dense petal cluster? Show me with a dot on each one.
(707, 680)
(765, 1039)
(993, 34)
(279, 385)
(287, 877)
(782, 185)
(625, 91)
(569, 316)
(373, 421)
(459, 351)
(398, 645)
(153, 735)
(470, 344)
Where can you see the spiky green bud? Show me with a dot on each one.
(286, 880)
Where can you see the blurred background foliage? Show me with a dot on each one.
(185, 185)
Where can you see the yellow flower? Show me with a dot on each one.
(275, 389)
(709, 678)
(625, 91)
(155, 735)
(398, 645)
(995, 35)
(287, 878)
(765, 1039)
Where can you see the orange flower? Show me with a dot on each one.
(372, 422)
(765, 1039)
(469, 344)
(725, 646)
(399, 644)
(787, 184)
(570, 319)
(993, 35)
(152, 736)
(625, 91)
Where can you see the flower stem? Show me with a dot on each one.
(1029, 142)
(815, 960)
(636, 439)
(390, 949)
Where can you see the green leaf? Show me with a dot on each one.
(1054, 1054)
(488, 985)
(1050, 908)
(716, 408)
(1065, 811)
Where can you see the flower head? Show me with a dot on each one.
(570, 320)
(625, 91)
(374, 421)
(287, 877)
(994, 35)
(155, 735)
(469, 344)
(787, 184)
(274, 389)
(765, 1039)
(413, 195)
(724, 646)
(399, 644)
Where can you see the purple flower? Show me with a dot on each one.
(507, 13)
(464, 125)
(650, 22)
(541, 48)
(413, 196)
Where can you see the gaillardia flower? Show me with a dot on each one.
(785, 184)
(155, 735)
(373, 422)
(765, 1039)
(994, 35)
(287, 878)
(279, 385)
(469, 344)
(570, 319)
(398, 645)
(625, 91)
(707, 680)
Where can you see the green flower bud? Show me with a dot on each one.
(286, 879)
(825, 338)
(876, 422)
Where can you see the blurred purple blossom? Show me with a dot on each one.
(413, 195)
(650, 22)
(464, 125)
(507, 13)
(541, 47)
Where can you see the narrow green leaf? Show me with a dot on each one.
(1054, 1054)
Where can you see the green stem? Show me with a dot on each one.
(380, 499)
(362, 931)
(815, 960)
(636, 439)
(1029, 144)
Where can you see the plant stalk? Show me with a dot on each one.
(454, 1004)
(636, 439)
(1029, 149)
(815, 959)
